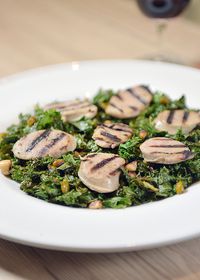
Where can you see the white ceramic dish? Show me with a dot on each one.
(31, 221)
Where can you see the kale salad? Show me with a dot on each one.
(117, 150)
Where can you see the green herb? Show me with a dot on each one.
(41, 179)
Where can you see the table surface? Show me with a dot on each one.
(37, 33)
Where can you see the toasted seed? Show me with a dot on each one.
(143, 134)
(31, 121)
(2, 135)
(131, 166)
(65, 186)
(5, 166)
(164, 100)
(58, 162)
(179, 187)
(97, 204)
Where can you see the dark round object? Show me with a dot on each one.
(162, 8)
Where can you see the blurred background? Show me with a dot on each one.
(37, 33)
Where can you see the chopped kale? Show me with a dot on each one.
(61, 184)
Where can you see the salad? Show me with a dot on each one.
(120, 149)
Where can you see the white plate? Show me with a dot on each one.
(31, 221)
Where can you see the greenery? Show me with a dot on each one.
(40, 178)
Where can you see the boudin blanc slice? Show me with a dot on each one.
(111, 135)
(74, 110)
(165, 151)
(173, 120)
(43, 143)
(129, 103)
(100, 171)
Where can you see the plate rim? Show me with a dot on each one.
(53, 67)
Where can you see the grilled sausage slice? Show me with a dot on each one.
(43, 143)
(129, 103)
(100, 171)
(165, 151)
(74, 110)
(173, 120)
(111, 135)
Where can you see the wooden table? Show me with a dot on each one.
(37, 33)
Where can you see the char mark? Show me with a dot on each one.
(185, 116)
(115, 106)
(167, 146)
(53, 142)
(91, 156)
(162, 139)
(172, 153)
(133, 108)
(38, 139)
(147, 89)
(114, 172)
(102, 163)
(56, 107)
(170, 117)
(116, 128)
(187, 154)
(119, 96)
(139, 98)
(88, 157)
(110, 136)
(99, 138)
(102, 139)
(66, 109)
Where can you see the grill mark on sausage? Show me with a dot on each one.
(116, 107)
(119, 97)
(61, 105)
(55, 107)
(139, 98)
(114, 172)
(102, 139)
(78, 102)
(67, 109)
(99, 138)
(167, 146)
(89, 156)
(185, 116)
(187, 154)
(38, 139)
(102, 163)
(133, 108)
(147, 88)
(116, 128)
(161, 139)
(170, 117)
(172, 153)
(110, 136)
(52, 143)
(63, 147)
